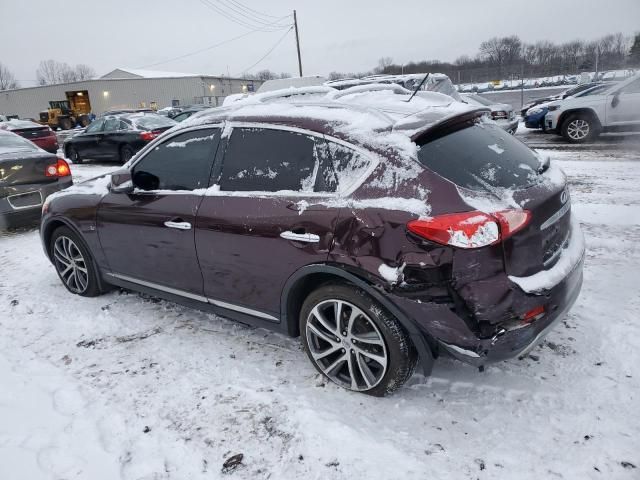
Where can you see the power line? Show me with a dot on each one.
(268, 51)
(195, 52)
(251, 10)
(270, 27)
(246, 15)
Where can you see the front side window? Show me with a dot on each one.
(96, 126)
(182, 162)
(269, 161)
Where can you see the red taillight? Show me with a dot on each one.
(148, 136)
(470, 229)
(58, 169)
(533, 314)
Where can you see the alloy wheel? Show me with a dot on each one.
(346, 345)
(578, 129)
(70, 264)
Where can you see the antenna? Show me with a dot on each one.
(418, 87)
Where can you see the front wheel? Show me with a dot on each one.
(73, 263)
(354, 341)
(73, 155)
(578, 128)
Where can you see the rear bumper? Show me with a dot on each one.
(50, 144)
(555, 289)
(12, 215)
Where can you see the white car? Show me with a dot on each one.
(502, 113)
(606, 109)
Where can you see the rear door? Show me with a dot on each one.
(148, 236)
(263, 221)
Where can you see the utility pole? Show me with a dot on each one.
(295, 24)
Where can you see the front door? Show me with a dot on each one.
(269, 215)
(86, 143)
(148, 236)
(626, 112)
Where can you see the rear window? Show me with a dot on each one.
(151, 122)
(13, 143)
(481, 156)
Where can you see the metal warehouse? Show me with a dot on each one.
(125, 88)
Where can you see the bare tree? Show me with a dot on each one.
(383, 64)
(266, 75)
(634, 52)
(84, 72)
(7, 80)
(50, 72)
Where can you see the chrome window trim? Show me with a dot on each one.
(193, 296)
(23, 194)
(168, 135)
(374, 161)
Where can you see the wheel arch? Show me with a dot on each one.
(310, 277)
(47, 232)
(584, 111)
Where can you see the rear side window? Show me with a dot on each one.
(481, 156)
(269, 161)
(340, 167)
(181, 163)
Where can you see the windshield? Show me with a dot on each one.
(151, 122)
(594, 91)
(480, 157)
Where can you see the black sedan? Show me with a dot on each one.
(28, 175)
(187, 112)
(116, 137)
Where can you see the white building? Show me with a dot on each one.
(126, 88)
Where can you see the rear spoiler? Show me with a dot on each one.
(443, 125)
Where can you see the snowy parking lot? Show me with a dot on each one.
(128, 386)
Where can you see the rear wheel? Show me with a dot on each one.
(354, 341)
(126, 152)
(73, 263)
(73, 155)
(579, 128)
(84, 120)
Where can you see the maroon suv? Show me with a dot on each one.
(380, 242)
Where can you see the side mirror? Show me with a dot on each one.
(615, 100)
(121, 182)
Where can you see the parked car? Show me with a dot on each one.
(187, 112)
(116, 137)
(534, 117)
(39, 134)
(121, 111)
(28, 175)
(606, 108)
(379, 241)
(567, 93)
(501, 113)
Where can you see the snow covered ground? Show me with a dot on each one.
(127, 386)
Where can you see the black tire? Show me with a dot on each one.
(65, 124)
(126, 152)
(85, 283)
(579, 128)
(395, 344)
(84, 120)
(73, 155)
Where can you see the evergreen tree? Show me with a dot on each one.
(634, 53)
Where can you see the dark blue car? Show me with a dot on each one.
(535, 116)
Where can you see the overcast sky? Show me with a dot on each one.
(340, 35)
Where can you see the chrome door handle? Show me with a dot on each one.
(300, 237)
(178, 225)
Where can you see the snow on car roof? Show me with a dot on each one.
(373, 114)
